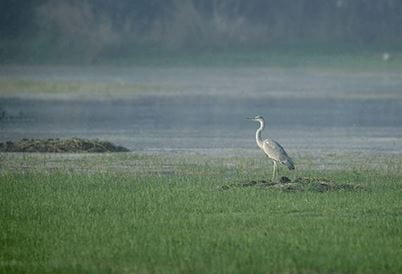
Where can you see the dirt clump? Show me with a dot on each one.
(72, 145)
(299, 184)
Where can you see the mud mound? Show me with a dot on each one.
(60, 145)
(299, 184)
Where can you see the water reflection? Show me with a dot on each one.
(160, 123)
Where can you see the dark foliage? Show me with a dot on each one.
(93, 28)
(58, 145)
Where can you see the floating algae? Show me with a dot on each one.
(72, 145)
(299, 184)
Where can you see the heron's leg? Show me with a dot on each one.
(274, 171)
(278, 168)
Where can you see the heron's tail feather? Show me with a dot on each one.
(289, 163)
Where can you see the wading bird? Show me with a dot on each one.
(271, 148)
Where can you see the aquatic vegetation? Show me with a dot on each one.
(71, 145)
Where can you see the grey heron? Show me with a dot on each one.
(271, 148)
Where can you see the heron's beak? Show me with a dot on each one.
(248, 118)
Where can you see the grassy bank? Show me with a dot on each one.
(121, 222)
(345, 57)
(351, 57)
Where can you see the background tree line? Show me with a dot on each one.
(96, 27)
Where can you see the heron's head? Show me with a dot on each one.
(257, 118)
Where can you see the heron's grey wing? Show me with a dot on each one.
(276, 152)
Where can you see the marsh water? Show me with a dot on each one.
(203, 110)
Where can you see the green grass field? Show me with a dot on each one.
(169, 215)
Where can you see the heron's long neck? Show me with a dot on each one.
(258, 137)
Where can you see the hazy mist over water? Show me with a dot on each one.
(207, 111)
(182, 76)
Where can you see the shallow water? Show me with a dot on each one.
(199, 120)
